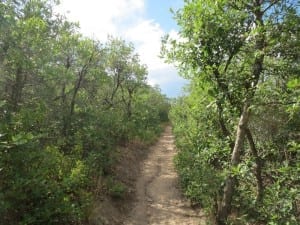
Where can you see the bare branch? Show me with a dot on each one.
(272, 4)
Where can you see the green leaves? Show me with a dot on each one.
(21, 139)
(294, 83)
(66, 103)
(235, 53)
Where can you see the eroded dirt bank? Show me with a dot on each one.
(159, 200)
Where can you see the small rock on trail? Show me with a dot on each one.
(159, 199)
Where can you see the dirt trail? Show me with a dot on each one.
(159, 200)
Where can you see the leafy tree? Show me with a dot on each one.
(227, 50)
(66, 103)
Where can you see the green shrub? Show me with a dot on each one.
(116, 189)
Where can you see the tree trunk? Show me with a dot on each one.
(64, 107)
(77, 86)
(258, 167)
(17, 89)
(257, 68)
(230, 183)
(223, 127)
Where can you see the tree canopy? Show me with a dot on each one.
(66, 103)
(238, 128)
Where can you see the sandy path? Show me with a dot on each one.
(159, 198)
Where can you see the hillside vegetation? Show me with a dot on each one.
(66, 103)
(238, 126)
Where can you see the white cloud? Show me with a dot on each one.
(167, 78)
(147, 36)
(98, 18)
(163, 76)
(124, 18)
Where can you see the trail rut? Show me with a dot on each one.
(159, 200)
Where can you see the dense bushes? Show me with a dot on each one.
(237, 129)
(66, 102)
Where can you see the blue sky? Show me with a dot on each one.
(160, 11)
(142, 22)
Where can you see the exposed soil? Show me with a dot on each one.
(159, 199)
(154, 196)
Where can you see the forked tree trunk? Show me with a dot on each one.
(230, 183)
(257, 68)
